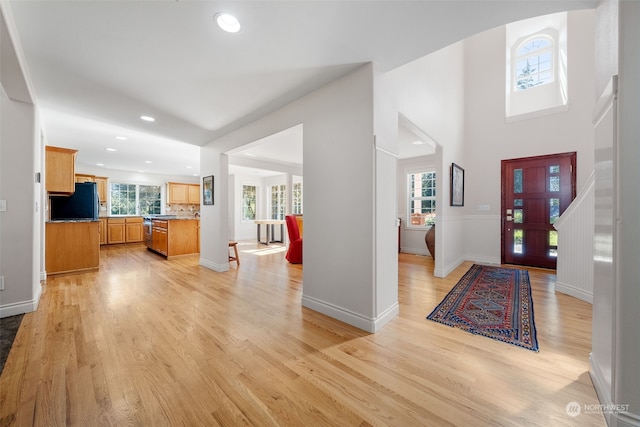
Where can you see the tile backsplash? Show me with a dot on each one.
(182, 210)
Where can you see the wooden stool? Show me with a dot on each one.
(235, 251)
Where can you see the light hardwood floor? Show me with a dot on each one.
(151, 342)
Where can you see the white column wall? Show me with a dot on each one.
(430, 94)
(20, 159)
(385, 210)
(627, 335)
(340, 269)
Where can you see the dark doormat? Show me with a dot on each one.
(8, 330)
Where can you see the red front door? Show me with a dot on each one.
(535, 192)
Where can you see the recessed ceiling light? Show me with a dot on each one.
(189, 167)
(99, 164)
(227, 22)
(248, 154)
(148, 118)
(110, 149)
(148, 161)
(418, 142)
(121, 138)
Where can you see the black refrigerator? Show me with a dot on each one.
(82, 204)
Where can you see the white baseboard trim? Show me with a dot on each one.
(220, 268)
(613, 418)
(599, 383)
(415, 251)
(43, 276)
(483, 260)
(575, 292)
(625, 419)
(21, 307)
(444, 272)
(365, 323)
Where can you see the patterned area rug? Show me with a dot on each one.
(494, 302)
(8, 330)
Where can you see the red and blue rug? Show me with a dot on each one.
(494, 302)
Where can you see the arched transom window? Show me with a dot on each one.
(534, 63)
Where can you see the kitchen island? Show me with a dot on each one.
(174, 237)
(72, 246)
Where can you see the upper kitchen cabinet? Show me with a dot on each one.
(85, 178)
(61, 167)
(101, 183)
(194, 194)
(180, 193)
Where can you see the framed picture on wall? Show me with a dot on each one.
(457, 185)
(207, 190)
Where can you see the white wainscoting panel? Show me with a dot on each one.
(574, 270)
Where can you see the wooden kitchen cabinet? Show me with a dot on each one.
(103, 231)
(116, 230)
(175, 237)
(194, 194)
(72, 246)
(159, 236)
(133, 229)
(60, 164)
(101, 183)
(180, 193)
(80, 177)
(124, 230)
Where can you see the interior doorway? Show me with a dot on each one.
(535, 192)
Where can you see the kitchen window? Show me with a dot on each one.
(134, 199)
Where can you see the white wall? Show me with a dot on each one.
(338, 148)
(20, 159)
(615, 339)
(20, 224)
(627, 376)
(489, 139)
(430, 94)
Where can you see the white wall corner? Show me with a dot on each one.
(388, 315)
(366, 323)
(447, 269)
(574, 291)
(21, 306)
(613, 418)
(220, 268)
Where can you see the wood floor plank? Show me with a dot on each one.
(147, 341)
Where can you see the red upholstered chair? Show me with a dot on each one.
(294, 253)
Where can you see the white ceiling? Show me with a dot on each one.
(96, 66)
